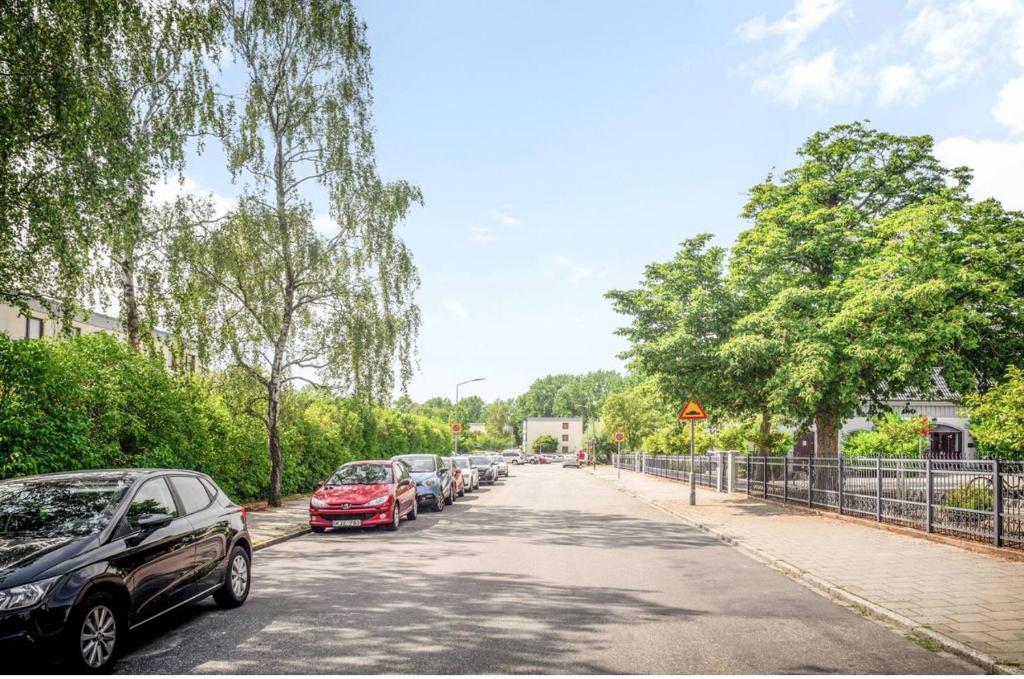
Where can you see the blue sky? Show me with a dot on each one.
(561, 146)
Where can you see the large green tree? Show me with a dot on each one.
(814, 227)
(63, 160)
(291, 303)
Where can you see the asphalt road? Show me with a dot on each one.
(551, 571)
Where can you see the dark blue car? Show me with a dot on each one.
(433, 480)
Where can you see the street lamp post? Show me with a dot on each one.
(475, 379)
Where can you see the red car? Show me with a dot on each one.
(369, 493)
(458, 480)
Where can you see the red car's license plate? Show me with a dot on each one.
(345, 523)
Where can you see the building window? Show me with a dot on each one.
(565, 449)
(565, 425)
(565, 437)
(33, 327)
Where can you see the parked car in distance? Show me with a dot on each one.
(514, 457)
(501, 463)
(542, 458)
(469, 473)
(485, 467)
(433, 481)
(458, 478)
(570, 461)
(85, 556)
(367, 493)
(532, 459)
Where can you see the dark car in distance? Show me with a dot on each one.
(485, 467)
(87, 556)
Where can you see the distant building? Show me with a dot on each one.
(476, 426)
(949, 438)
(38, 323)
(568, 431)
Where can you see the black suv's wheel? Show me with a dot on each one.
(449, 497)
(95, 634)
(396, 518)
(462, 491)
(235, 589)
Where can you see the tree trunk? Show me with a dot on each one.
(766, 430)
(274, 439)
(130, 302)
(827, 436)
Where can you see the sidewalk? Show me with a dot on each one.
(271, 525)
(971, 603)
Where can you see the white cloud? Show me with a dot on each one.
(575, 273)
(794, 27)
(816, 80)
(171, 187)
(325, 225)
(899, 85)
(482, 234)
(998, 167)
(456, 309)
(1009, 110)
(503, 217)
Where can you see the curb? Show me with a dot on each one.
(270, 542)
(826, 588)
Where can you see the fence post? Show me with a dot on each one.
(878, 489)
(785, 479)
(750, 467)
(928, 495)
(764, 461)
(730, 479)
(810, 482)
(839, 473)
(997, 504)
(718, 474)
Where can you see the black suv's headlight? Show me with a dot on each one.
(24, 596)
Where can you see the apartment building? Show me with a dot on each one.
(568, 431)
(39, 323)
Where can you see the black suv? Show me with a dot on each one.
(87, 556)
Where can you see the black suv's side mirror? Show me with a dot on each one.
(151, 522)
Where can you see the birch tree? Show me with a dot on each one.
(290, 303)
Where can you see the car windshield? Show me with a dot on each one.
(419, 464)
(462, 462)
(360, 475)
(480, 459)
(60, 507)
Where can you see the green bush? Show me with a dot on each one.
(92, 402)
(967, 496)
(892, 437)
(545, 444)
(997, 418)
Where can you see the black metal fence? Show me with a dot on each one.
(974, 499)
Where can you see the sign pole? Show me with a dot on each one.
(618, 460)
(693, 489)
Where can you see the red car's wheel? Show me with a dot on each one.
(396, 517)
(414, 512)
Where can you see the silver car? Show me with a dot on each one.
(502, 465)
(470, 474)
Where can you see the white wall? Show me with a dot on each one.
(570, 437)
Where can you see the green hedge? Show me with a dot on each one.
(91, 402)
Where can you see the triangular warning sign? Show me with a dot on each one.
(692, 411)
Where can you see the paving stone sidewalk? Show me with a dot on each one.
(974, 599)
(271, 525)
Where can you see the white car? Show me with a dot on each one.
(469, 473)
(514, 457)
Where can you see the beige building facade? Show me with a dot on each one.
(38, 324)
(568, 431)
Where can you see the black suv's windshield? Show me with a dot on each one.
(60, 507)
(420, 463)
(360, 475)
(463, 462)
(480, 459)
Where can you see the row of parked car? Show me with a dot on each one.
(87, 556)
(383, 492)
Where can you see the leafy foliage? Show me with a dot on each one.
(545, 443)
(997, 418)
(93, 402)
(892, 436)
